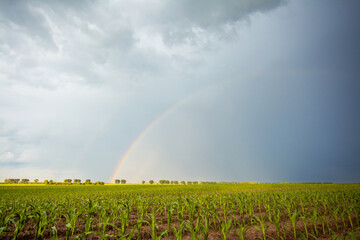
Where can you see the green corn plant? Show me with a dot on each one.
(335, 212)
(191, 209)
(275, 219)
(313, 236)
(20, 223)
(88, 228)
(206, 227)
(322, 220)
(215, 219)
(71, 219)
(303, 218)
(225, 228)
(153, 227)
(354, 235)
(138, 226)
(124, 221)
(327, 224)
(192, 230)
(54, 233)
(284, 232)
(170, 211)
(314, 219)
(242, 231)
(179, 232)
(2, 230)
(262, 226)
(41, 223)
(343, 218)
(198, 225)
(132, 231)
(5, 222)
(293, 220)
(348, 213)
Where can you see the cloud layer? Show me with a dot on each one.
(272, 86)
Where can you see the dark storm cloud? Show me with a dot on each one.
(181, 19)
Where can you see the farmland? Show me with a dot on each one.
(217, 211)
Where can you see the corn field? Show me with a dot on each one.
(220, 211)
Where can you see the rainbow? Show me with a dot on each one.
(146, 130)
(158, 119)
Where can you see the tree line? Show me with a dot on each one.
(177, 182)
(67, 181)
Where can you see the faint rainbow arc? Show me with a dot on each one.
(143, 133)
(158, 119)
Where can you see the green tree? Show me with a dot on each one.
(151, 181)
(117, 181)
(143, 182)
(183, 182)
(67, 181)
(88, 181)
(25, 180)
(36, 180)
(123, 181)
(77, 180)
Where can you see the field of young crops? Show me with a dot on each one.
(220, 211)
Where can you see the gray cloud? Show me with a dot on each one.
(81, 80)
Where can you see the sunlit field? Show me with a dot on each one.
(217, 211)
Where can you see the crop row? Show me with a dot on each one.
(135, 214)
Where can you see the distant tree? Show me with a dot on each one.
(67, 181)
(51, 182)
(183, 182)
(88, 181)
(164, 181)
(143, 182)
(123, 181)
(195, 182)
(188, 182)
(36, 180)
(77, 180)
(99, 183)
(15, 180)
(151, 181)
(46, 182)
(117, 181)
(25, 180)
(176, 182)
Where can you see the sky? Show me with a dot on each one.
(248, 90)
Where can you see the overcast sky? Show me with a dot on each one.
(248, 90)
